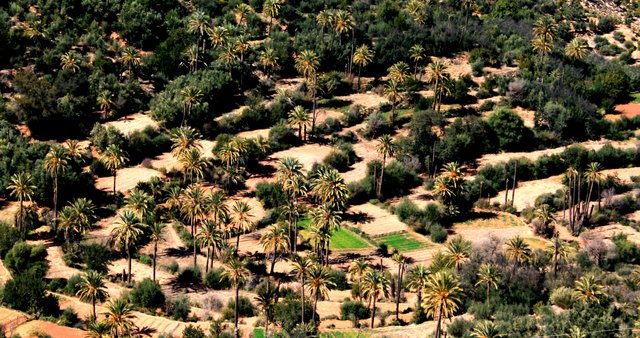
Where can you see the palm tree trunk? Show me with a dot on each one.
(439, 321)
(373, 311)
(115, 172)
(302, 302)
(55, 202)
(315, 306)
(238, 244)
(195, 245)
(235, 311)
(21, 220)
(359, 71)
(513, 191)
(206, 264)
(398, 292)
(273, 262)
(384, 162)
(129, 257)
(155, 255)
(488, 290)
(435, 94)
(93, 303)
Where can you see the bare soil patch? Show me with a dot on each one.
(527, 192)
(307, 154)
(134, 122)
(127, 178)
(170, 162)
(367, 100)
(502, 226)
(624, 174)
(292, 84)
(34, 327)
(608, 231)
(374, 220)
(629, 110)
(255, 133)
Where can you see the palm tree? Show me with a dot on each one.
(545, 28)
(70, 61)
(241, 219)
(93, 289)
(197, 23)
(416, 53)
(104, 101)
(276, 240)
(130, 58)
(393, 93)
(344, 22)
(267, 301)
(307, 63)
(324, 19)
(229, 56)
(329, 187)
(457, 252)
(190, 97)
(589, 290)
(211, 238)
(442, 296)
(326, 221)
(301, 267)
(437, 75)
(127, 232)
(417, 281)
(139, 202)
(402, 262)
(194, 208)
(55, 163)
(486, 329)
(271, 8)
(577, 332)
(114, 159)
(119, 317)
(374, 285)
(191, 57)
(319, 282)
(268, 58)
(299, 118)
(194, 164)
(417, 9)
(577, 49)
(73, 150)
(593, 176)
(399, 72)
(237, 274)
(157, 236)
(21, 187)
(385, 148)
(362, 57)
(77, 218)
(217, 205)
(356, 271)
(242, 11)
(183, 139)
(489, 275)
(518, 251)
(98, 329)
(218, 36)
(559, 250)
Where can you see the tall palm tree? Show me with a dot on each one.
(489, 275)
(271, 8)
(194, 164)
(114, 159)
(218, 36)
(267, 301)
(183, 139)
(237, 274)
(362, 57)
(275, 240)
(593, 176)
(457, 252)
(105, 101)
(319, 282)
(560, 250)
(401, 260)
(70, 61)
(55, 163)
(375, 285)
(119, 317)
(127, 232)
(438, 76)
(326, 220)
(307, 63)
(22, 188)
(589, 290)
(518, 251)
(212, 238)
(577, 49)
(190, 97)
(197, 23)
(393, 93)
(345, 22)
(399, 72)
(93, 289)
(545, 28)
(385, 148)
(416, 53)
(486, 329)
(324, 19)
(139, 202)
(157, 236)
(217, 205)
(268, 58)
(241, 219)
(242, 11)
(442, 297)
(301, 267)
(356, 271)
(194, 208)
(299, 118)
(77, 218)
(329, 187)
(73, 149)
(417, 280)
(130, 58)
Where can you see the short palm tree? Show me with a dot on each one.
(356, 271)
(362, 57)
(399, 72)
(241, 219)
(93, 289)
(375, 285)
(127, 232)
(300, 119)
(486, 329)
(437, 75)
(130, 58)
(98, 329)
(271, 8)
(70, 61)
(22, 188)
(105, 101)
(77, 218)
(319, 282)
(393, 93)
(194, 164)
(210, 237)
(114, 159)
(489, 275)
(401, 260)
(194, 208)
(518, 251)
(457, 252)
(385, 148)
(183, 139)
(589, 290)
(577, 49)
(267, 300)
(157, 236)
(301, 267)
(268, 59)
(416, 53)
(190, 97)
(275, 240)
(56, 162)
(442, 297)
(237, 274)
(139, 202)
(417, 280)
(330, 188)
(73, 149)
(119, 317)
(218, 36)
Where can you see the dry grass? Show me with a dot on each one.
(134, 122)
(255, 133)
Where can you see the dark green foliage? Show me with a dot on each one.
(193, 332)
(147, 294)
(282, 137)
(96, 256)
(287, 313)
(460, 328)
(438, 233)
(25, 258)
(215, 280)
(8, 237)
(270, 194)
(72, 286)
(26, 292)
(69, 317)
(179, 308)
(510, 130)
(245, 308)
(339, 277)
(354, 311)
(189, 276)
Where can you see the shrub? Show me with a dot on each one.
(26, 292)
(214, 279)
(354, 311)
(148, 294)
(173, 267)
(338, 160)
(438, 234)
(193, 332)
(606, 24)
(481, 310)
(287, 313)
(510, 130)
(353, 116)
(270, 194)
(179, 308)
(72, 285)
(339, 277)
(282, 137)
(407, 210)
(459, 327)
(189, 276)
(245, 308)
(8, 237)
(563, 297)
(68, 317)
(23, 258)
(96, 256)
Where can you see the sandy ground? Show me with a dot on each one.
(232, 113)
(324, 114)
(10, 319)
(608, 231)
(307, 154)
(534, 155)
(502, 226)
(134, 122)
(375, 220)
(127, 179)
(366, 151)
(527, 192)
(629, 110)
(366, 100)
(624, 174)
(255, 133)
(34, 327)
(169, 162)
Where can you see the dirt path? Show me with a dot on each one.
(134, 122)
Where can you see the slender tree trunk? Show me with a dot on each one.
(398, 291)
(315, 306)
(235, 311)
(555, 256)
(155, 255)
(513, 192)
(195, 246)
(93, 303)
(353, 41)
(373, 311)
(488, 291)
(359, 72)
(115, 173)
(206, 264)
(129, 257)
(439, 321)
(302, 302)
(506, 195)
(384, 160)
(273, 262)
(238, 243)
(21, 226)
(55, 202)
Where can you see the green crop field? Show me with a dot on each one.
(402, 242)
(345, 239)
(347, 334)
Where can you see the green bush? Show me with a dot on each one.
(96, 256)
(8, 237)
(287, 313)
(68, 317)
(270, 194)
(245, 308)
(72, 285)
(563, 297)
(179, 308)
(407, 210)
(214, 279)
(26, 292)
(23, 258)
(438, 234)
(193, 332)
(339, 277)
(147, 294)
(338, 160)
(354, 311)
(189, 276)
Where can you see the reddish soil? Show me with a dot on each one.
(629, 109)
